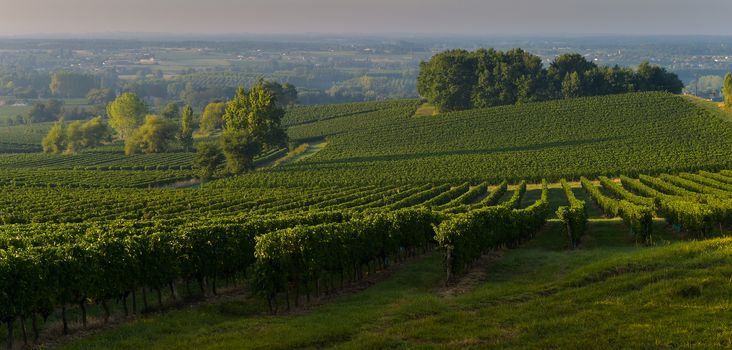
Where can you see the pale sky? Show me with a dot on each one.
(482, 17)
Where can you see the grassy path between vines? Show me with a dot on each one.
(610, 293)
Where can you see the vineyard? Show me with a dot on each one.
(294, 242)
(99, 236)
(646, 133)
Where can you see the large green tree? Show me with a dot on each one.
(75, 136)
(727, 90)
(211, 118)
(207, 160)
(571, 86)
(94, 132)
(153, 136)
(447, 80)
(126, 113)
(185, 134)
(252, 122)
(55, 140)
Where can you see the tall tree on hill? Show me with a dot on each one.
(186, 128)
(447, 80)
(252, 122)
(55, 140)
(207, 160)
(727, 90)
(571, 86)
(126, 113)
(211, 118)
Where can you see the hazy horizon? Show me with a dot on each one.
(333, 17)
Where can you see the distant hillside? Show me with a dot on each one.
(609, 135)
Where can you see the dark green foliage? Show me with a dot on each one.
(298, 259)
(45, 111)
(458, 79)
(207, 160)
(252, 122)
(239, 148)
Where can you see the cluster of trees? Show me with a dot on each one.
(72, 85)
(75, 136)
(251, 123)
(148, 133)
(459, 79)
(52, 110)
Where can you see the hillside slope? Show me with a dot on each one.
(609, 135)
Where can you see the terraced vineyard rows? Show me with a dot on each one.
(390, 145)
(300, 241)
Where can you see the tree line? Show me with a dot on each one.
(460, 79)
(250, 123)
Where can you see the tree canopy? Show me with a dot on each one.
(252, 122)
(459, 79)
(211, 118)
(126, 112)
(75, 136)
(153, 136)
(71, 85)
(185, 134)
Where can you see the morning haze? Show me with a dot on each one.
(34, 17)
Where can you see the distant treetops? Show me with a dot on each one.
(459, 79)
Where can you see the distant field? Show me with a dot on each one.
(10, 112)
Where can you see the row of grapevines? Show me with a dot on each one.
(619, 191)
(573, 216)
(46, 267)
(518, 193)
(695, 187)
(465, 237)
(448, 196)
(298, 259)
(689, 213)
(639, 218)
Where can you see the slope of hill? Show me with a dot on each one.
(608, 135)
